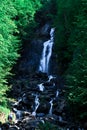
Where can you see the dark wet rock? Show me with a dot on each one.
(45, 30)
(44, 108)
(61, 106)
(31, 124)
(14, 127)
(56, 120)
(41, 75)
(40, 114)
(48, 84)
(28, 100)
(5, 126)
(32, 83)
(44, 98)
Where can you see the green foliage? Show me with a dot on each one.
(4, 113)
(71, 47)
(66, 11)
(8, 44)
(77, 79)
(16, 19)
(47, 12)
(26, 10)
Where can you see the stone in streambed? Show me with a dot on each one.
(43, 108)
(40, 114)
(41, 75)
(60, 106)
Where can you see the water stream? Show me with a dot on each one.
(44, 62)
(41, 87)
(50, 77)
(57, 93)
(36, 105)
(51, 107)
(47, 52)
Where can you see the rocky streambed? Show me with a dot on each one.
(40, 102)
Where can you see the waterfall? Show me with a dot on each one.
(36, 102)
(47, 52)
(18, 113)
(36, 105)
(50, 77)
(41, 87)
(51, 107)
(57, 93)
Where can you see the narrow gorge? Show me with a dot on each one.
(38, 89)
(43, 65)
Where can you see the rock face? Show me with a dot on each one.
(30, 60)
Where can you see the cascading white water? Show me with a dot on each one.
(60, 118)
(41, 87)
(36, 102)
(16, 103)
(50, 77)
(47, 52)
(18, 113)
(36, 105)
(51, 107)
(44, 62)
(57, 93)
